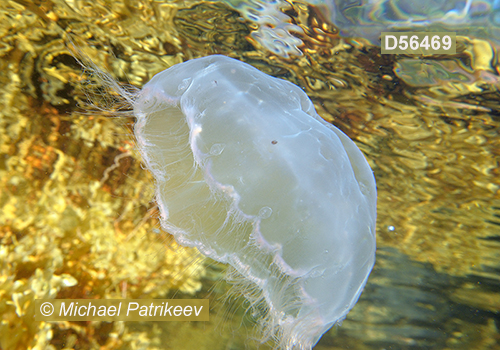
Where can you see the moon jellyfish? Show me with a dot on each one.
(247, 172)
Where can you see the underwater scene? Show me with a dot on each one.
(263, 155)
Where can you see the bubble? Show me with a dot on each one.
(265, 212)
(216, 149)
(184, 84)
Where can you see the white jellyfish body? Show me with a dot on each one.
(248, 173)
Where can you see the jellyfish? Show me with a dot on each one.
(248, 173)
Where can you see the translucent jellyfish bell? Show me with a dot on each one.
(248, 173)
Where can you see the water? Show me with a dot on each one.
(275, 30)
(366, 18)
(77, 219)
